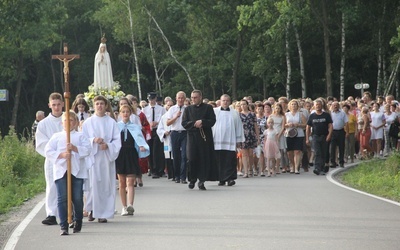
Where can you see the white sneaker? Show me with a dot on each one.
(130, 210)
(124, 211)
(240, 173)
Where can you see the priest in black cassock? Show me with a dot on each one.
(198, 120)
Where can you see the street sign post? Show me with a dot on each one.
(361, 86)
(3, 95)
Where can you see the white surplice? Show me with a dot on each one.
(102, 175)
(45, 130)
(166, 139)
(227, 130)
(58, 145)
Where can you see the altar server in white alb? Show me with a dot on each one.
(105, 139)
(57, 153)
(227, 132)
(45, 130)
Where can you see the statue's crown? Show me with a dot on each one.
(103, 39)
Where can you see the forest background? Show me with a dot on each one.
(262, 48)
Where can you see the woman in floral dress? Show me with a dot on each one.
(251, 134)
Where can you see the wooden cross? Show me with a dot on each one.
(65, 58)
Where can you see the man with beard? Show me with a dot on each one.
(198, 120)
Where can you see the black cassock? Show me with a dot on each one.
(200, 144)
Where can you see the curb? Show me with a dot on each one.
(331, 176)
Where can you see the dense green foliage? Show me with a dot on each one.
(21, 171)
(226, 46)
(377, 177)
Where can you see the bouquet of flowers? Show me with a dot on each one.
(113, 95)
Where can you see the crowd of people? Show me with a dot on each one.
(194, 140)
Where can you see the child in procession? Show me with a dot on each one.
(58, 151)
(271, 148)
(133, 147)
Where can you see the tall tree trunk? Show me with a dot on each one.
(20, 68)
(379, 74)
(385, 75)
(343, 58)
(288, 65)
(153, 59)
(128, 6)
(328, 67)
(170, 48)
(235, 71)
(301, 60)
(393, 78)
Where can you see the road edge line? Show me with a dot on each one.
(13, 239)
(331, 177)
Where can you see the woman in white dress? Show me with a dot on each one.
(279, 119)
(390, 117)
(377, 123)
(295, 120)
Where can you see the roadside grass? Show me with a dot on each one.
(378, 177)
(21, 171)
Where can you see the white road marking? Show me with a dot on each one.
(13, 240)
(336, 171)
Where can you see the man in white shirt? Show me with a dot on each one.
(340, 120)
(178, 137)
(153, 113)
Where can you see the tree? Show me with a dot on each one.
(22, 44)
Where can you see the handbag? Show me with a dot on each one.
(290, 132)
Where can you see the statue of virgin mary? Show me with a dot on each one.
(103, 77)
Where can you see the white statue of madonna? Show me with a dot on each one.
(103, 77)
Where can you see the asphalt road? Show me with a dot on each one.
(284, 212)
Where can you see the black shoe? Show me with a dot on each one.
(221, 183)
(90, 216)
(316, 171)
(155, 176)
(50, 220)
(77, 227)
(310, 164)
(140, 184)
(191, 185)
(341, 165)
(231, 183)
(184, 182)
(326, 169)
(64, 231)
(201, 186)
(72, 225)
(333, 165)
(102, 220)
(178, 181)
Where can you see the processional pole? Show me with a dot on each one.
(65, 58)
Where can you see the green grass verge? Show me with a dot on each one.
(376, 177)
(21, 172)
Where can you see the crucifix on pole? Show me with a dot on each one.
(65, 58)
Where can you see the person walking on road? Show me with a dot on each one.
(227, 133)
(198, 120)
(320, 124)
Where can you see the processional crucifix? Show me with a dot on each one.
(65, 58)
